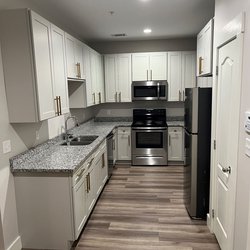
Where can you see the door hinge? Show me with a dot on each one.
(217, 70)
(214, 144)
(212, 213)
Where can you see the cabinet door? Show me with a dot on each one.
(188, 71)
(91, 193)
(124, 144)
(93, 67)
(70, 56)
(124, 77)
(175, 144)
(88, 82)
(80, 209)
(140, 66)
(43, 63)
(110, 78)
(100, 79)
(79, 60)
(205, 50)
(59, 67)
(174, 76)
(158, 66)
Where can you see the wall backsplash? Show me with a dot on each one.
(126, 109)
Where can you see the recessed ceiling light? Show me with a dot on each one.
(147, 31)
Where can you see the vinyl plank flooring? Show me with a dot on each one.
(143, 208)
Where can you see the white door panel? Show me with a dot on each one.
(158, 66)
(227, 128)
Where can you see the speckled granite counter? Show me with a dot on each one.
(175, 123)
(51, 157)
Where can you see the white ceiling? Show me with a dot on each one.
(91, 20)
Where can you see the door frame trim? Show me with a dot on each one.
(233, 30)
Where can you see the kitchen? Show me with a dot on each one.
(22, 126)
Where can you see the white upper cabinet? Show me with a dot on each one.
(174, 76)
(59, 68)
(28, 66)
(74, 57)
(205, 50)
(118, 77)
(149, 66)
(181, 74)
(43, 65)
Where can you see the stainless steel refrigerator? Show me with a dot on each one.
(198, 104)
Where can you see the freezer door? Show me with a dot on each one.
(191, 142)
(191, 109)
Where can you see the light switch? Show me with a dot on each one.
(247, 147)
(6, 146)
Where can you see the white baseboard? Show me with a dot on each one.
(16, 244)
(209, 222)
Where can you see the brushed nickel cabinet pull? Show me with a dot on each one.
(103, 160)
(89, 182)
(120, 97)
(78, 68)
(115, 96)
(93, 97)
(200, 65)
(129, 140)
(183, 95)
(60, 105)
(57, 105)
(100, 97)
(169, 140)
(179, 95)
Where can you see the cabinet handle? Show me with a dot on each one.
(151, 71)
(94, 97)
(60, 105)
(90, 163)
(129, 140)
(120, 97)
(100, 97)
(78, 67)
(89, 182)
(57, 105)
(103, 160)
(200, 65)
(179, 95)
(115, 96)
(113, 144)
(183, 95)
(169, 140)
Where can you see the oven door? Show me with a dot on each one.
(149, 146)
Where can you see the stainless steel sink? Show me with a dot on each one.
(81, 140)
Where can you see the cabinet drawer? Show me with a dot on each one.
(174, 129)
(124, 130)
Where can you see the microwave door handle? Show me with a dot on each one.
(158, 90)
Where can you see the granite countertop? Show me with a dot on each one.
(175, 121)
(51, 157)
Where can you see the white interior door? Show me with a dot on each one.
(227, 127)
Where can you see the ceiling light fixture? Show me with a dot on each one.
(147, 31)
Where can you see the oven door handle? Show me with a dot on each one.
(150, 129)
(158, 90)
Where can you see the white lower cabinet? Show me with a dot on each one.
(59, 204)
(175, 144)
(124, 144)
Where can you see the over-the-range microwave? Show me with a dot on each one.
(149, 90)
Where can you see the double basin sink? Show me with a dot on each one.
(81, 140)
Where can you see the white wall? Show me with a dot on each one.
(225, 11)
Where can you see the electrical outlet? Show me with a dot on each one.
(6, 146)
(37, 135)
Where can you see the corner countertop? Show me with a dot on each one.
(175, 123)
(51, 157)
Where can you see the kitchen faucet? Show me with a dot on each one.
(66, 126)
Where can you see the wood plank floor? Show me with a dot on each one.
(142, 208)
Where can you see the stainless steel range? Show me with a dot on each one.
(149, 137)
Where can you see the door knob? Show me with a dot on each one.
(226, 170)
